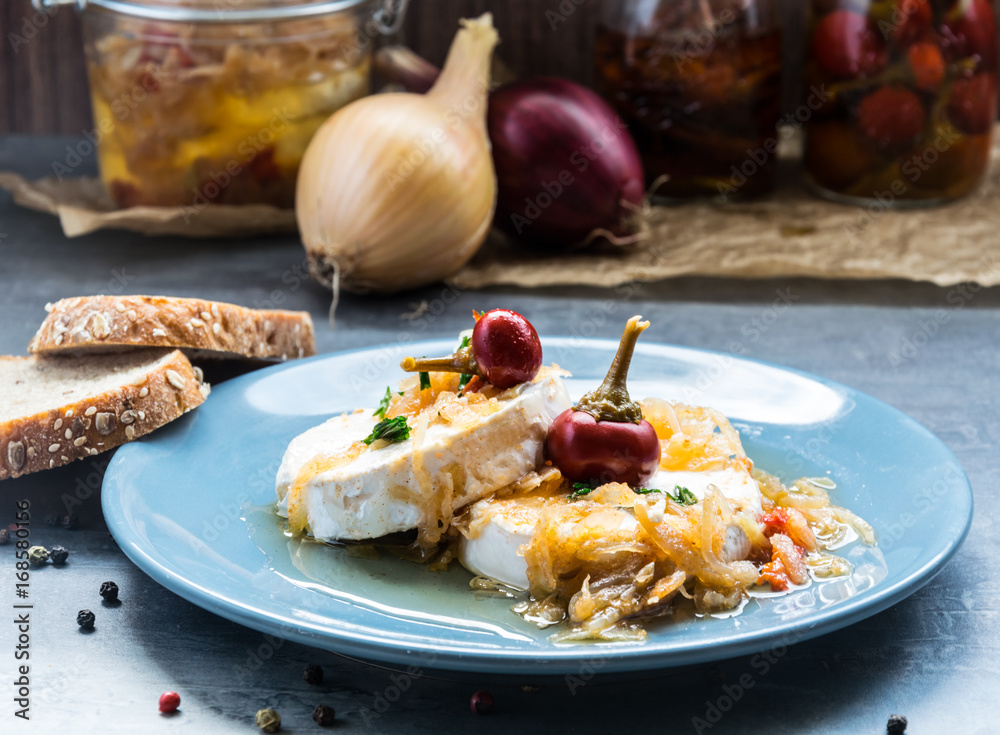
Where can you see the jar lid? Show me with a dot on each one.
(234, 11)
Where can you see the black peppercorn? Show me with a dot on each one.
(52, 519)
(85, 619)
(897, 725)
(324, 716)
(4, 536)
(58, 555)
(481, 702)
(109, 591)
(71, 522)
(313, 674)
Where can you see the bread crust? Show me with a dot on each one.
(205, 328)
(91, 425)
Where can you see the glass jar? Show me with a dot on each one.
(215, 101)
(699, 84)
(909, 92)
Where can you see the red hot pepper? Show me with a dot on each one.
(504, 350)
(604, 438)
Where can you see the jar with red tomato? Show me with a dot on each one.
(906, 99)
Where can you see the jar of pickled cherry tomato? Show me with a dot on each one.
(215, 101)
(699, 84)
(909, 99)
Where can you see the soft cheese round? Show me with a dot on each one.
(380, 493)
(500, 527)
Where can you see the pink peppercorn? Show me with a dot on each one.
(169, 702)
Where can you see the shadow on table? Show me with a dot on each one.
(235, 671)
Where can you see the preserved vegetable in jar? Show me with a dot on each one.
(699, 84)
(910, 91)
(199, 102)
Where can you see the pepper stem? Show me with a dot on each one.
(611, 401)
(460, 362)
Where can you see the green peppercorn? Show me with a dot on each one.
(324, 716)
(109, 591)
(85, 619)
(268, 720)
(38, 555)
(58, 555)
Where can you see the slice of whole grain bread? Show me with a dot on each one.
(59, 409)
(203, 329)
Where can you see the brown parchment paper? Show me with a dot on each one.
(792, 233)
(83, 207)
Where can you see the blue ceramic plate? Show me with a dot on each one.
(192, 506)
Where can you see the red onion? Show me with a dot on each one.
(567, 168)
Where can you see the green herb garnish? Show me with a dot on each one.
(391, 430)
(425, 381)
(580, 489)
(384, 405)
(681, 495)
(464, 378)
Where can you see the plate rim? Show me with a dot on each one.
(461, 658)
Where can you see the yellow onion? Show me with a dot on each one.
(398, 190)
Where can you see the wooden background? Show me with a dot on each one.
(43, 84)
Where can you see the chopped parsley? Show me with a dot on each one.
(580, 489)
(463, 379)
(384, 405)
(391, 430)
(681, 495)
(425, 381)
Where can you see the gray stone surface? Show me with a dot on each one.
(934, 657)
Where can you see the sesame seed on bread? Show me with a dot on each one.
(59, 409)
(203, 329)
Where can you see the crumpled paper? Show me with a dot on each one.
(790, 234)
(83, 206)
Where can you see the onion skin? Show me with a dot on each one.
(378, 231)
(544, 131)
(396, 191)
(587, 450)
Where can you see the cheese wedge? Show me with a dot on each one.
(342, 491)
